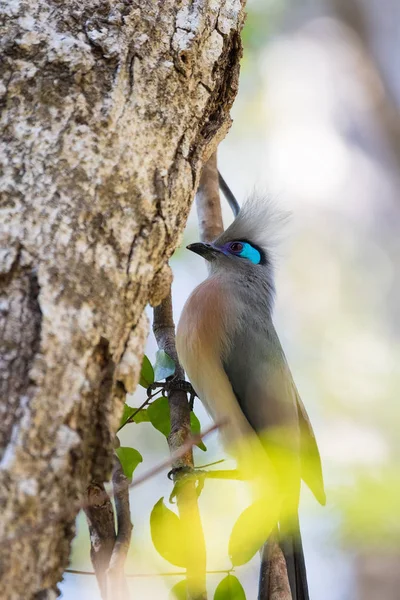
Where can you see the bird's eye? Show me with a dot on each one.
(236, 247)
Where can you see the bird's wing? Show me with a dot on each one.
(311, 468)
(266, 399)
(262, 382)
(259, 375)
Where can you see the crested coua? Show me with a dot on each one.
(228, 346)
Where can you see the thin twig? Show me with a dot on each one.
(150, 575)
(177, 454)
(232, 474)
(164, 331)
(145, 403)
(226, 190)
(211, 464)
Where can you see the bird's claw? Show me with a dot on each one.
(173, 385)
(180, 472)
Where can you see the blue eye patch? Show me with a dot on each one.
(251, 253)
(244, 250)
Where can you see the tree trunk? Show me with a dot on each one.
(109, 110)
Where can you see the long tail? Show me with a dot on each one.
(289, 545)
(292, 549)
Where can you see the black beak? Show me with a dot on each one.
(204, 250)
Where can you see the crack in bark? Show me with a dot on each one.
(100, 439)
(21, 344)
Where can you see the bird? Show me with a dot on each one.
(227, 344)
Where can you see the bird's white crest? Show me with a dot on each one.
(259, 222)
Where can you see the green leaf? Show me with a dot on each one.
(129, 458)
(126, 415)
(141, 416)
(179, 591)
(168, 534)
(195, 427)
(230, 588)
(251, 530)
(158, 413)
(146, 374)
(164, 366)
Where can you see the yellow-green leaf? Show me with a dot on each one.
(168, 534)
(158, 413)
(146, 373)
(230, 588)
(129, 459)
(179, 591)
(251, 530)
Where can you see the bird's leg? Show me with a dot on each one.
(171, 385)
(182, 474)
(181, 385)
(185, 386)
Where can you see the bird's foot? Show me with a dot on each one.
(172, 385)
(181, 474)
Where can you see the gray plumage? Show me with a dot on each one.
(229, 347)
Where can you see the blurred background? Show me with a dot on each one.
(317, 128)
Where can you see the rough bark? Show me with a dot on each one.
(273, 582)
(100, 518)
(108, 111)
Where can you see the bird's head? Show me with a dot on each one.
(234, 249)
(245, 246)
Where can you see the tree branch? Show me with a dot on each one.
(117, 587)
(100, 517)
(273, 581)
(108, 548)
(208, 203)
(164, 331)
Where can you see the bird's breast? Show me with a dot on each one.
(202, 340)
(203, 326)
